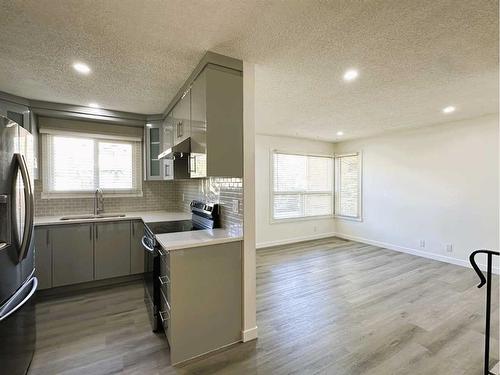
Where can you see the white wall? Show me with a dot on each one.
(268, 233)
(439, 184)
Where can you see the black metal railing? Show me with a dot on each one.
(485, 280)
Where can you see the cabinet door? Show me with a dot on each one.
(136, 249)
(153, 146)
(112, 249)
(182, 118)
(168, 142)
(16, 112)
(43, 257)
(72, 254)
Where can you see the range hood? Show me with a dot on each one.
(182, 148)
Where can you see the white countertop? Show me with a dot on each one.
(185, 240)
(146, 217)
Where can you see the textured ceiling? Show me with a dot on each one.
(414, 57)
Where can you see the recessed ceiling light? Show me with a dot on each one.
(340, 133)
(94, 105)
(81, 68)
(351, 75)
(149, 125)
(449, 109)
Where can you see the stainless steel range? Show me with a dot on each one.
(203, 216)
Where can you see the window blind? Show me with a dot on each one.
(76, 165)
(348, 185)
(302, 186)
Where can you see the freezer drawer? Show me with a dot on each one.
(18, 330)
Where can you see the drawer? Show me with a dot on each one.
(164, 262)
(164, 312)
(165, 287)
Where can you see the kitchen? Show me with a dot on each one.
(249, 187)
(98, 221)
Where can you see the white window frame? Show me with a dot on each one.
(48, 194)
(360, 187)
(272, 193)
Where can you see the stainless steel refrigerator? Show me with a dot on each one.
(17, 253)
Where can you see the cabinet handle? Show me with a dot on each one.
(90, 232)
(164, 316)
(164, 280)
(133, 229)
(47, 237)
(96, 232)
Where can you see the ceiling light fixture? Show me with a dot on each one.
(351, 75)
(149, 125)
(81, 68)
(340, 133)
(449, 109)
(94, 105)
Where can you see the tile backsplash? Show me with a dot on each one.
(158, 195)
(220, 190)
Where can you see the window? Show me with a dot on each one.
(348, 186)
(302, 186)
(77, 165)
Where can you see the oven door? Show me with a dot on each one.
(152, 265)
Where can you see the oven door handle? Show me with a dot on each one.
(147, 246)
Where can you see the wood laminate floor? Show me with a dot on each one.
(324, 307)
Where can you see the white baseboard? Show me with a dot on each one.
(420, 253)
(249, 334)
(262, 245)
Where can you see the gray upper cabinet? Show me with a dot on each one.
(72, 254)
(168, 142)
(16, 112)
(210, 114)
(136, 248)
(217, 123)
(198, 157)
(43, 257)
(23, 115)
(112, 249)
(181, 115)
(152, 143)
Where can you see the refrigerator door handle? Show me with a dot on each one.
(10, 307)
(28, 196)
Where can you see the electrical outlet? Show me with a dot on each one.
(422, 243)
(449, 248)
(236, 206)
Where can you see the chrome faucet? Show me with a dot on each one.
(98, 202)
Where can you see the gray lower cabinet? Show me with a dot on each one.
(43, 257)
(75, 253)
(136, 248)
(201, 299)
(72, 254)
(112, 249)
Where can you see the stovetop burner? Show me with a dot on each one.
(204, 216)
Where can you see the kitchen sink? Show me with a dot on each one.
(109, 215)
(77, 217)
(90, 216)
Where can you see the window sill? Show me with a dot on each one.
(89, 195)
(348, 218)
(298, 219)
